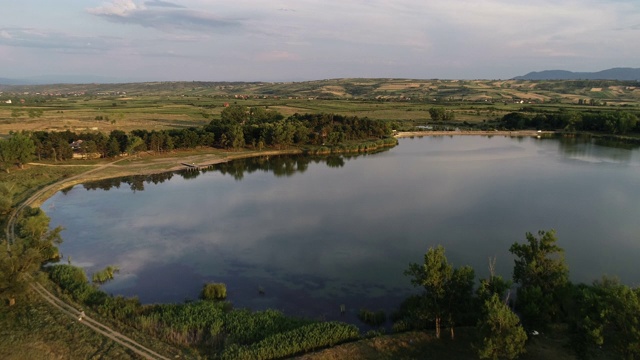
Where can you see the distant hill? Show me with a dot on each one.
(64, 79)
(5, 81)
(623, 74)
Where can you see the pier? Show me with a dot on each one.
(194, 166)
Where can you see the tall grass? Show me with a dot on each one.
(214, 325)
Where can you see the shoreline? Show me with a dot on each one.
(519, 133)
(146, 164)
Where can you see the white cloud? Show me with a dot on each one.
(163, 16)
(278, 56)
(246, 39)
(53, 40)
(116, 8)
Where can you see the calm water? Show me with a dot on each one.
(319, 233)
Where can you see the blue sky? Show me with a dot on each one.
(285, 40)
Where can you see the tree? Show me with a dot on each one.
(608, 315)
(88, 148)
(17, 264)
(135, 145)
(234, 114)
(33, 230)
(433, 275)
(22, 147)
(542, 273)
(113, 147)
(446, 289)
(121, 137)
(459, 296)
(35, 246)
(6, 198)
(18, 149)
(440, 114)
(494, 285)
(502, 335)
(6, 155)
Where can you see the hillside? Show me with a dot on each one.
(622, 74)
(404, 90)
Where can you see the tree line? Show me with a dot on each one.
(612, 122)
(239, 127)
(602, 316)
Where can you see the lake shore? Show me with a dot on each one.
(406, 134)
(148, 163)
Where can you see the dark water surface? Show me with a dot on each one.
(319, 233)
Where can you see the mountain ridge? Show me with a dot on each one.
(619, 73)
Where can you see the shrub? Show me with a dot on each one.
(372, 318)
(214, 291)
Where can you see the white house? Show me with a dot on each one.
(8, 102)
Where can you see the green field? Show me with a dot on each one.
(159, 106)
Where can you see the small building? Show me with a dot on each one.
(76, 145)
(8, 101)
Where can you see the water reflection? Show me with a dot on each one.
(279, 166)
(587, 148)
(343, 229)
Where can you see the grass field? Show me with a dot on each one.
(158, 106)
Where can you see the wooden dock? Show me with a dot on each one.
(194, 166)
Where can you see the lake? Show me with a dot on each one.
(315, 233)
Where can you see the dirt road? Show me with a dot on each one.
(60, 304)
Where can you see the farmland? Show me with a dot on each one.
(405, 103)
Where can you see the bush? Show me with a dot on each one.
(214, 291)
(104, 275)
(372, 318)
(74, 281)
(303, 339)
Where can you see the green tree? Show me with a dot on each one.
(502, 336)
(446, 290)
(113, 147)
(135, 144)
(494, 285)
(6, 198)
(235, 114)
(18, 149)
(541, 273)
(236, 136)
(22, 147)
(33, 231)
(437, 113)
(459, 297)
(18, 263)
(35, 245)
(440, 114)
(608, 315)
(88, 148)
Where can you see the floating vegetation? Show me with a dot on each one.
(214, 291)
(372, 318)
(104, 275)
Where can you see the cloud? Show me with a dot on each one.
(52, 40)
(160, 3)
(163, 16)
(277, 56)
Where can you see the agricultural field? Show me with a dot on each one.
(162, 106)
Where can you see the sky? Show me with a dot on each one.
(286, 40)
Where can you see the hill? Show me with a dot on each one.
(622, 74)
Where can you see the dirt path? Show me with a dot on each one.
(11, 222)
(95, 325)
(57, 302)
